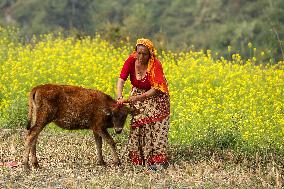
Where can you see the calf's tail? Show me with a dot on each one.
(32, 110)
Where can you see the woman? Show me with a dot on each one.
(150, 102)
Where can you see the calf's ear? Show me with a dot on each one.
(108, 112)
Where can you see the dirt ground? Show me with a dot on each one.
(68, 160)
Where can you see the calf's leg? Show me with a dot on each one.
(30, 145)
(99, 144)
(32, 135)
(28, 142)
(33, 152)
(106, 136)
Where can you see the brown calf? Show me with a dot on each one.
(72, 107)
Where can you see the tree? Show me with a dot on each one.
(171, 24)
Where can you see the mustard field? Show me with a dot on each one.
(228, 103)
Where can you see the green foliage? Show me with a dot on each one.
(172, 24)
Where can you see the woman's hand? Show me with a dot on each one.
(129, 100)
(140, 97)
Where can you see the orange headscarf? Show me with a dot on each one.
(155, 70)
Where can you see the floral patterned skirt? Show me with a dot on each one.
(148, 138)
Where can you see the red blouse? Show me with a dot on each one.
(129, 69)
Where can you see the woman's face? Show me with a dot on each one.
(143, 54)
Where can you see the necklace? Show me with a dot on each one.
(140, 70)
(140, 75)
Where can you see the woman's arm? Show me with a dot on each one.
(122, 78)
(119, 86)
(143, 96)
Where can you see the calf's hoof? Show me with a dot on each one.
(26, 167)
(117, 163)
(101, 163)
(36, 165)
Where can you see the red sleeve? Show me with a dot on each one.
(126, 68)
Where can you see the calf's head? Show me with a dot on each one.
(118, 115)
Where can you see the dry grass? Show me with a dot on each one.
(68, 160)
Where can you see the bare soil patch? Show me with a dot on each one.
(68, 160)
